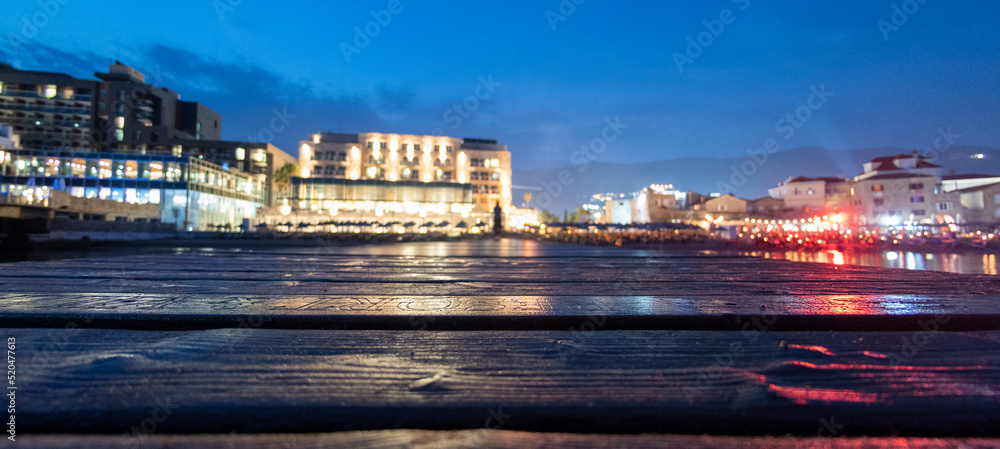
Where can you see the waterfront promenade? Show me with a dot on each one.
(487, 343)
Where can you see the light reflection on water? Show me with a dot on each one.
(910, 260)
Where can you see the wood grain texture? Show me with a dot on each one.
(485, 439)
(741, 383)
(522, 336)
(482, 285)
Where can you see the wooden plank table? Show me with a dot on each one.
(498, 344)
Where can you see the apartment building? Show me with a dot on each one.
(48, 109)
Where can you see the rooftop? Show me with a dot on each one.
(822, 178)
(898, 176)
(969, 176)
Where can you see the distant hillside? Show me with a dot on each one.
(706, 175)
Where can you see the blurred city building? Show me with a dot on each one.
(124, 139)
(386, 178)
(191, 193)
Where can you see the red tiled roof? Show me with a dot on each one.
(822, 178)
(891, 159)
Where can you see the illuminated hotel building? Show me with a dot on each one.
(191, 193)
(403, 174)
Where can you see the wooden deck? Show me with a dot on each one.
(498, 344)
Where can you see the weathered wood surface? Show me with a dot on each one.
(485, 285)
(487, 439)
(541, 336)
(741, 383)
(198, 312)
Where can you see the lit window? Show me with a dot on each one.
(120, 122)
(241, 154)
(105, 165)
(50, 91)
(119, 135)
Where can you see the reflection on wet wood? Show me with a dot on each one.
(488, 439)
(539, 336)
(748, 383)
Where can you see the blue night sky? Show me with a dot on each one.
(557, 85)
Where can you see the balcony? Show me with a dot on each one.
(20, 93)
(34, 94)
(50, 109)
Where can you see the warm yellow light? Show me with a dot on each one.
(316, 138)
(838, 218)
